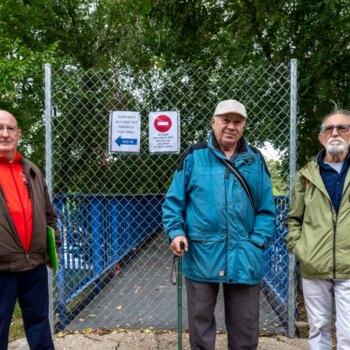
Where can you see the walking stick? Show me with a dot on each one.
(179, 298)
(176, 278)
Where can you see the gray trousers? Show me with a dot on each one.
(241, 315)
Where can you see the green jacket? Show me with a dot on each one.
(318, 237)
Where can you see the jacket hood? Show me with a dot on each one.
(311, 172)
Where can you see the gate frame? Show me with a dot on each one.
(292, 172)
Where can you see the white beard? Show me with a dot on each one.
(336, 146)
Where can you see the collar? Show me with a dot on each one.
(321, 162)
(17, 159)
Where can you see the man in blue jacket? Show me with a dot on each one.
(226, 218)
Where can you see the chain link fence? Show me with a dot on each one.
(115, 259)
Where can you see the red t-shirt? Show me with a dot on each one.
(17, 194)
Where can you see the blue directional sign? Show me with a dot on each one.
(119, 141)
(124, 132)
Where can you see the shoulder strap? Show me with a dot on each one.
(241, 179)
(258, 152)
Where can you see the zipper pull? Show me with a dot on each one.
(27, 257)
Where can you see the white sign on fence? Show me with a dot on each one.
(164, 132)
(124, 132)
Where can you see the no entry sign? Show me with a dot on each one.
(164, 132)
(162, 123)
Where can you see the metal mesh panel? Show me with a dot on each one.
(115, 258)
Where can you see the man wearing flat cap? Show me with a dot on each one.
(220, 204)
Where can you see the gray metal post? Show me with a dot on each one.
(48, 170)
(292, 171)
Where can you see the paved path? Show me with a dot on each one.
(141, 296)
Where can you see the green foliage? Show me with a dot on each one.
(232, 33)
(162, 34)
(16, 330)
(21, 92)
(279, 185)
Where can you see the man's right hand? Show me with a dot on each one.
(175, 245)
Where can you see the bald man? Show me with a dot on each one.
(25, 212)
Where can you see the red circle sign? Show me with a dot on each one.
(162, 123)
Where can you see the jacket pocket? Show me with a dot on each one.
(296, 250)
(206, 257)
(250, 263)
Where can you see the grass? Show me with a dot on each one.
(16, 330)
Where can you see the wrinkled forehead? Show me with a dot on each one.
(7, 118)
(337, 119)
(231, 116)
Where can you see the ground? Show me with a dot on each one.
(123, 340)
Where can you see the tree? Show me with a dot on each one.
(21, 92)
(279, 183)
(167, 34)
(232, 33)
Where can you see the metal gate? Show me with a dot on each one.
(115, 259)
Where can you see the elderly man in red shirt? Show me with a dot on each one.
(25, 212)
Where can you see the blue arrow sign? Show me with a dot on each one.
(119, 141)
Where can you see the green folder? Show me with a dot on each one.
(51, 248)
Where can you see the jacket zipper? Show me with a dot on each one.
(16, 236)
(227, 176)
(333, 221)
(312, 191)
(334, 239)
(23, 212)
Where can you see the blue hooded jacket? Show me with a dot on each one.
(207, 204)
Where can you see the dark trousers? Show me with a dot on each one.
(241, 315)
(31, 290)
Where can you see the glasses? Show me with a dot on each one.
(341, 128)
(10, 129)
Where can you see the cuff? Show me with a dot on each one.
(258, 241)
(175, 233)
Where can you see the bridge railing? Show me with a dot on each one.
(276, 281)
(97, 232)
